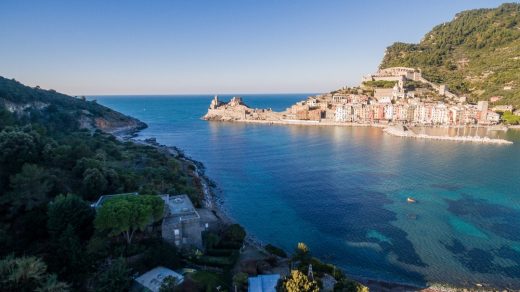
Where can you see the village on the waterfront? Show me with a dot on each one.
(391, 96)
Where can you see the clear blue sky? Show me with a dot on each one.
(214, 46)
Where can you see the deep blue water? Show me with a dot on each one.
(343, 190)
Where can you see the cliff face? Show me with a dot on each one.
(26, 101)
(118, 126)
(232, 111)
(476, 54)
(237, 110)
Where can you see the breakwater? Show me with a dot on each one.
(402, 131)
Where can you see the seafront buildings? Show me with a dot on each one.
(397, 95)
(365, 109)
(425, 103)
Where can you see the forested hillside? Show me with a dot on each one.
(476, 54)
(69, 112)
(55, 161)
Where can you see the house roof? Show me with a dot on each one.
(105, 198)
(180, 206)
(153, 279)
(263, 283)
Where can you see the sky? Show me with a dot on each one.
(208, 47)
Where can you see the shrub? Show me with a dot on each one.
(276, 250)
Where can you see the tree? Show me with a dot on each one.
(69, 257)
(70, 210)
(169, 284)
(302, 248)
(127, 214)
(18, 147)
(347, 285)
(29, 188)
(210, 239)
(94, 183)
(51, 284)
(6, 118)
(113, 276)
(70, 220)
(298, 282)
(275, 250)
(27, 274)
(302, 252)
(23, 273)
(235, 233)
(163, 254)
(240, 280)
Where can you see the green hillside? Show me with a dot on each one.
(476, 54)
(56, 159)
(24, 101)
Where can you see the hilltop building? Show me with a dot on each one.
(398, 74)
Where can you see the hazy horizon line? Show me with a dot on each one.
(192, 94)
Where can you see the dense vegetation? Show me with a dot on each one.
(126, 214)
(53, 164)
(379, 84)
(477, 53)
(510, 118)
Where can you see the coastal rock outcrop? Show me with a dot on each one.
(236, 110)
(23, 100)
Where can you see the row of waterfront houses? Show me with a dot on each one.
(416, 112)
(355, 108)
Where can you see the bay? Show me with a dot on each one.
(343, 190)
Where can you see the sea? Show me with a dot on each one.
(343, 191)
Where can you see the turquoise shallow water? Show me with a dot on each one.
(343, 191)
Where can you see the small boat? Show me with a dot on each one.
(412, 216)
(411, 200)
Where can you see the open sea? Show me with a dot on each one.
(343, 190)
